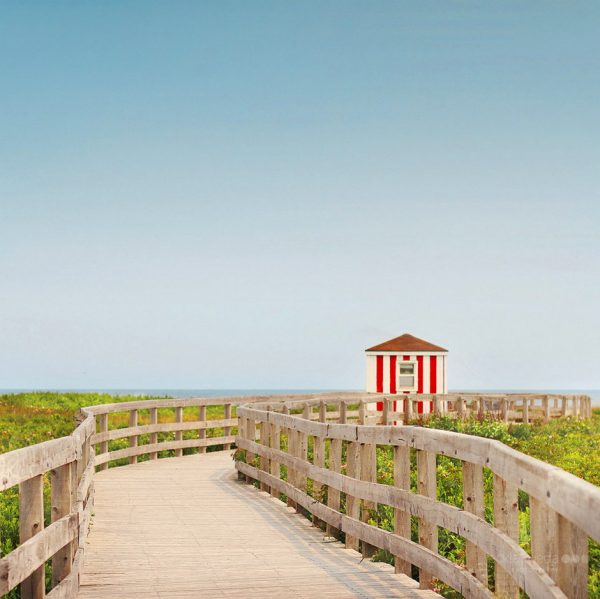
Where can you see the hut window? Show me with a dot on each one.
(406, 380)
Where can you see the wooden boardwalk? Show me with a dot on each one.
(186, 528)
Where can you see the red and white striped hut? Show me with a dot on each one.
(407, 364)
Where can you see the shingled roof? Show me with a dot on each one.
(406, 343)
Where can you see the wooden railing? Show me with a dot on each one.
(122, 433)
(69, 462)
(155, 428)
(345, 494)
(506, 407)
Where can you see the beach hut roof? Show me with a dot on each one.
(407, 343)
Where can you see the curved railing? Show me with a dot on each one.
(563, 508)
(121, 433)
(155, 428)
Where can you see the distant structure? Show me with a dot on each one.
(407, 364)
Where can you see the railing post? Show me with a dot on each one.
(544, 536)
(178, 434)
(275, 439)
(473, 502)
(103, 445)
(506, 519)
(575, 413)
(525, 410)
(250, 436)
(426, 485)
(31, 522)
(573, 562)
(362, 412)
(153, 439)
(385, 417)
(227, 429)
(368, 467)
(402, 518)
(133, 440)
(343, 412)
(546, 408)
(335, 465)
(319, 458)
(504, 409)
(460, 408)
(60, 484)
(436, 406)
(302, 449)
(202, 431)
(352, 503)
(265, 464)
(407, 409)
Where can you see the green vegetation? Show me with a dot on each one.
(573, 445)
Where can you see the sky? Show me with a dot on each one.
(244, 194)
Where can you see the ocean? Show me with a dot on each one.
(593, 393)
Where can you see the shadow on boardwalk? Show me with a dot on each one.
(185, 527)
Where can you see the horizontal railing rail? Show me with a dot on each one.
(275, 439)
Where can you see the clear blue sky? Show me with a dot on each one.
(249, 194)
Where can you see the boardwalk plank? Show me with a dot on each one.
(185, 527)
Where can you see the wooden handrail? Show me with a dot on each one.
(560, 503)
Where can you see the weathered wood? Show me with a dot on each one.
(428, 532)
(387, 405)
(227, 429)
(402, 517)
(526, 411)
(163, 446)
(133, 440)
(362, 412)
(103, 446)
(153, 438)
(264, 461)
(573, 560)
(343, 413)
(544, 536)
(333, 494)
(460, 408)
(275, 441)
(546, 408)
(28, 462)
(31, 523)
(228, 540)
(473, 502)
(178, 433)
(506, 519)
(408, 410)
(441, 568)
(164, 427)
(319, 459)
(353, 451)
(61, 505)
(202, 429)
(368, 472)
(26, 561)
(292, 441)
(498, 545)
